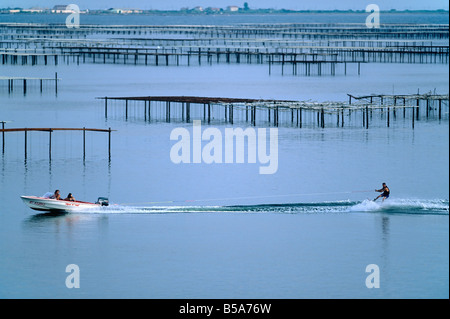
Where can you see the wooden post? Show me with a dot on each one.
(404, 108)
(394, 110)
(364, 119)
(274, 116)
(145, 110)
(50, 145)
(126, 109)
(168, 110)
(322, 118)
(417, 111)
(24, 86)
(252, 114)
(300, 113)
(188, 112)
(25, 143)
(367, 117)
(270, 65)
(209, 113)
(109, 143)
(106, 107)
(388, 116)
(84, 143)
(56, 81)
(440, 108)
(231, 113)
(277, 116)
(167, 113)
(3, 137)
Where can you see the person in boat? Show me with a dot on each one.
(70, 197)
(385, 192)
(56, 195)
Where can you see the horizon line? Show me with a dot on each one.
(241, 10)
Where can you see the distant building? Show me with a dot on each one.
(233, 8)
(124, 10)
(198, 8)
(63, 9)
(34, 10)
(60, 9)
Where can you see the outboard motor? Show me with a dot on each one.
(103, 201)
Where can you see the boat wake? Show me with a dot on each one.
(392, 206)
(407, 206)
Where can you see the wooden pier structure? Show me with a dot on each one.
(307, 45)
(4, 130)
(14, 81)
(359, 109)
(281, 30)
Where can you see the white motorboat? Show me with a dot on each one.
(53, 205)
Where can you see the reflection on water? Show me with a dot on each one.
(65, 222)
(41, 216)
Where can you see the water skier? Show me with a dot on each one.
(385, 192)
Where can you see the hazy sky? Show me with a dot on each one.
(277, 4)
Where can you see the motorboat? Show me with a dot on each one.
(47, 204)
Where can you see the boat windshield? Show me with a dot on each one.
(47, 195)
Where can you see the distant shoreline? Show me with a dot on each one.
(5, 11)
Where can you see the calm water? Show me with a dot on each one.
(223, 230)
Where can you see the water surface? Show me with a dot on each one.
(223, 230)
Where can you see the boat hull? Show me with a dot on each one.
(54, 205)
